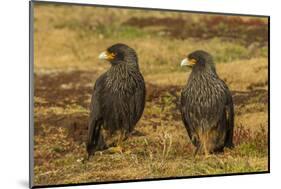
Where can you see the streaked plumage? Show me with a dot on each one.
(206, 105)
(118, 99)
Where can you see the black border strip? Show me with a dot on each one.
(31, 94)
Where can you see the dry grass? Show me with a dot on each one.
(66, 67)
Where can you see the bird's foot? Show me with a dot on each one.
(117, 149)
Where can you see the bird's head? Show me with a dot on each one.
(198, 59)
(119, 53)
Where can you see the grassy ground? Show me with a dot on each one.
(68, 40)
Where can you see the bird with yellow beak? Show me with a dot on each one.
(118, 100)
(206, 105)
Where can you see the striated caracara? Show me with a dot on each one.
(206, 105)
(118, 100)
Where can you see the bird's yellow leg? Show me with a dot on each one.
(115, 149)
(118, 144)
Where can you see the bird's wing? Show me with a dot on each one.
(185, 117)
(229, 108)
(95, 119)
(140, 99)
(137, 102)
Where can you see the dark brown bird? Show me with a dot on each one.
(206, 105)
(118, 99)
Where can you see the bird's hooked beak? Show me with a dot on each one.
(188, 62)
(106, 56)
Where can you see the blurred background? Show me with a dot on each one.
(67, 42)
(73, 36)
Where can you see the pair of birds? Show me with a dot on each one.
(118, 102)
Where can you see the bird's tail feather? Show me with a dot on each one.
(93, 136)
(230, 127)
